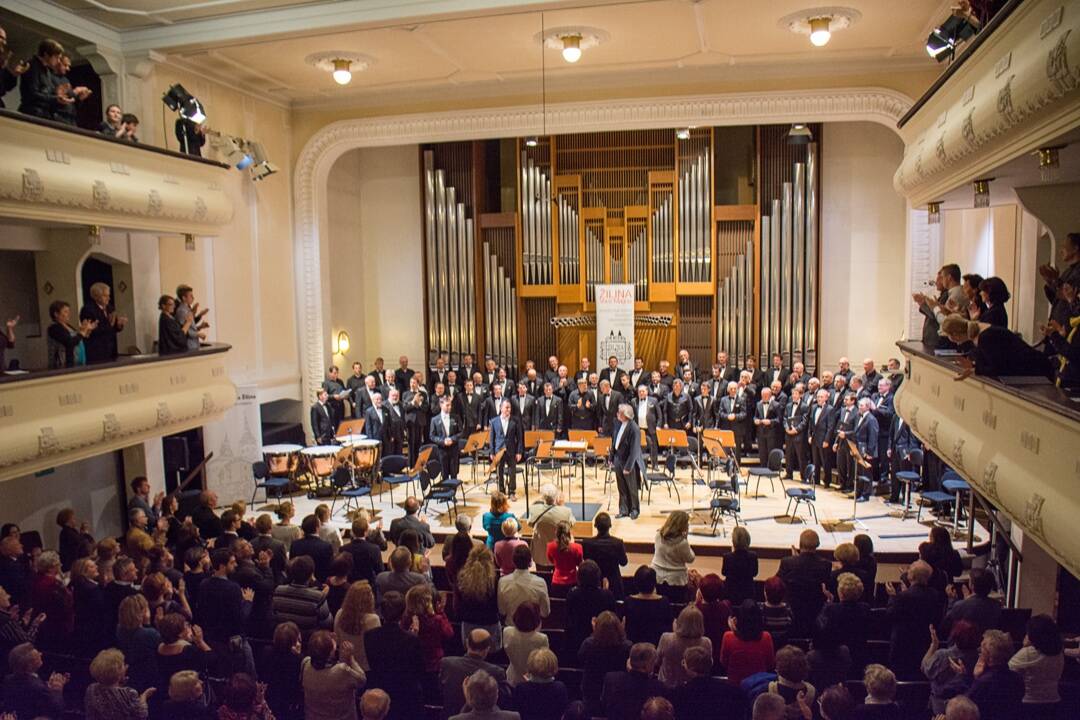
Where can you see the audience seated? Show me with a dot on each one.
(740, 568)
(768, 706)
(608, 552)
(880, 683)
(108, 698)
(688, 631)
(625, 692)
(565, 555)
(520, 639)
(746, 648)
(541, 696)
(803, 574)
(605, 650)
(672, 556)
(453, 670)
(657, 708)
(331, 677)
(522, 586)
(482, 695)
(646, 612)
(374, 705)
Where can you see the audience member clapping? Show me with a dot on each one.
(138, 640)
(331, 677)
(50, 595)
(284, 695)
(746, 648)
(9, 71)
(541, 696)
(688, 630)
(520, 639)
(606, 650)
(67, 95)
(791, 673)
(65, 342)
(108, 698)
(426, 618)
(776, 614)
(186, 702)
(245, 699)
(38, 83)
(1040, 662)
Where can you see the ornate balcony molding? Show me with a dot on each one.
(1020, 455)
(873, 104)
(1017, 92)
(52, 174)
(55, 418)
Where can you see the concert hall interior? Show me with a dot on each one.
(669, 271)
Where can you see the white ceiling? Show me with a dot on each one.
(493, 50)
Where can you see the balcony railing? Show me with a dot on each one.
(1018, 446)
(54, 417)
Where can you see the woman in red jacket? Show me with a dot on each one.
(565, 554)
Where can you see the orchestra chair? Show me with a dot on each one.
(444, 492)
(492, 474)
(265, 482)
(600, 447)
(725, 500)
(910, 479)
(772, 472)
(952, 485)
(533, 438)
(544, 460)
(667, 477)
(470, 453)
(410, 475)
(344, 486)
(802, 494)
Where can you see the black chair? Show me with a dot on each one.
(725, 500)
(444, 492)
(668, 477)
(261, 474)
(910, 479)
(772, 472)
(803, 494)
(344, 486)
(393, 469)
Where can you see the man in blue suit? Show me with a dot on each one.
(866, 439)
(506, 435)
(443, 431)
(627, 462)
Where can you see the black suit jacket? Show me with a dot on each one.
(625, 693)
(772, 374)
(795, 419)
(553, 418)
(819, 424)
(100, 345)
(702, 697)
(606, 416)
(322, 427)
(317, 549)
(374, 423)
(515, 438)
(804, 574)
(678, 411)
(654, 416)
(394, 427)
(434, 377)
(397, 666)
(410, 522)
(401, 378)
(771, 412)
(612, 376)
(704, 412)
(278, 559)
(526, 416)
(367, 560)
(470, 404)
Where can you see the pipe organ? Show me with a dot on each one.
(518, 233)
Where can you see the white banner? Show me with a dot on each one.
(615, 325)
(235, 442)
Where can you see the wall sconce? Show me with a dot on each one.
(93, 234)
(340, 343)
(982, 192)
(189, 242)
(933, 213)
(1049, 162)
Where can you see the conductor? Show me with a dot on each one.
(627, 462)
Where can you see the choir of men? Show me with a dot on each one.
(809, 419)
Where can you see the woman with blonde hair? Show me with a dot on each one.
(847, 558)
(688, 630)
(566, 555)
(995, 351)
(504, 549)
(107, 698)
(425, 618)
(356, 617)
(541, 696)
(138, 640)
(283, 529)
(476, 598)
(672, 555)
(186, 698)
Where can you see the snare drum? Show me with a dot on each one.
(281, 460)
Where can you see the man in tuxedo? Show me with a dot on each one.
(777, 371)
(895, 374)
(612, 373)
(524, 407)
(649, 415)
(383, 386)
(870, 375)
(731, 415)
(901, 443)
(403, 374)
(704, 409)
(819, 429)
(767, 423)
(866, 439)
(549, 411)
(639, 375)
(354, 384)
(394, 425)
(748, 391)
(533, 385)
(582, 409)
(465, 370)
(796, 376)
(416, 416)
(453, 387)
(626, 461)
(717, 385)
(506, 435)
(551, 375)
(842, 430)
(503, 381)
(435, 400)
(491, 405)
(779, 396)
(444, 432)
(376, 423)
(378, 370)
(607, 407)
(656, 388)
(583, 371)
(859, 388)
(795, 421)
(470, 402)
(690, 385)
(757, 377)
(437, 374)
(837, 391)
(678, 409)
(491, 372)
(322, 423)
(685, 363)
(362, 398)
(727, 369)
(882, 407)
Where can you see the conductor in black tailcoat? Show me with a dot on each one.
(444, 432)
(627, 462)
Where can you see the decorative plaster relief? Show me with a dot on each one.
(164, 415)
(958, 453)
(989, 481)
(1029, 441)
(101, 195)
(48, 444)
(110, 427)
(32, 187)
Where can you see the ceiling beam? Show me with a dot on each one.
(65, 21)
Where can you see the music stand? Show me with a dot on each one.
(856, 460)
(473, 444)
(572, 448)
(677, 440)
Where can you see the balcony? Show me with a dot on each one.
(1018, 446)
(52, 172)
(55, 417)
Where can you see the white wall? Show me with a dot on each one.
(375, 261)
(863, 235)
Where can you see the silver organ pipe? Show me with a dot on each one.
(810, 314)
(536, 236)
(766, 260)
(748, 299)
(695, 218)
(437, 260)
(775, 276)
(448, 266)
(470, 282)
(785, 278)
(798, 260)
(594, 263)
(429, 236)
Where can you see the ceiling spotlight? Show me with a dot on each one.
(532, 141)
(960, 26)
(683, 133)
(342, 71)
(982, 192)
(819, 31)
(571, 50)
(260, 167)
(799, 134)
(178, 99)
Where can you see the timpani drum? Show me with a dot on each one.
(350, 440)
(321, 460)
(365, 456)
(282, 460)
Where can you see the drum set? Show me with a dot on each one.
(326, 468)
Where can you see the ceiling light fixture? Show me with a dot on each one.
(799, 134)
(819, 31)
(532, 141)
(571, 48)
(1049, 162)
(933, 213)
(342, 72)
(683, 133)
(982, 192)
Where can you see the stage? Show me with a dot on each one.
(773, 533)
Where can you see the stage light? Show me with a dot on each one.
(683, 133)
(799, 134)
(532, 141)
(342, 72)
(819, 31)
(178, 99)
(942, 42)
(571, 51)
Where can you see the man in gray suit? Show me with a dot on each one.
(627, 462)
(482, 695)
(454, 670)
(140, 498)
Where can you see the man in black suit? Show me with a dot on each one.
(656, 386)
(607, 407)
(843, 428)
(336, 394)
(375, 422)
(393, 424)
(612, 372)
(354, 384)
(804, 573)
(378, 371)
(366, 555)
(101, 344)
(777, 371)
(664, 372)
(767, 423)
(583, 371)
(625, 693)
(901, 443)
(533, 384)
(757, 376)
(727, 371)
(204, 517)
(506, 435)
(704, 409)
(678, 408)
(731, 415)
(320, 551)
(435, 400)
(411, 520)
(549, 411)
(882, 402)
(465, 370)
(639, 375)
(819, 429)
(551, 375)
(361, 398)
(911, 613)
(748, 391)
(844, 369)
(437, 374)
(491, 372)
(702, 695)
(253, 572)
(795, 421)
(685, 363)
(627, 463)
(523, 407)
(870, 375)
(264, 541)
(649, 416)
(444, 431)
(866, 439)
(492, 405)
(397, 663)
(122, 586)
(582, 409)
(416, 417)
(403, 374)
(223, 607)
(471, 400)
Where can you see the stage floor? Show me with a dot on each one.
(773, 533)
